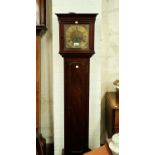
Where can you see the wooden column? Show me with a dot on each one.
(37, 81)
(40, 141)
(40, 30)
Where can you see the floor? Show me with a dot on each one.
(103, 150)
(98, 151)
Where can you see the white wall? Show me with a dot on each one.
(110, 52)
(80, 6)
(47, 79)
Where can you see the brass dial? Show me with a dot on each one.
(76, 36)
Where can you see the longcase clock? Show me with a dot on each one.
(76, 37)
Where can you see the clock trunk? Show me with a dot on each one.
(76, 105)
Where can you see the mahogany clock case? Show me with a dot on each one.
(76, 85)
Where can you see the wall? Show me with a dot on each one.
(47, 79)
(110, 52)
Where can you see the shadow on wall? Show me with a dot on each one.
(102, 138)
(47, 78)
(50, 62)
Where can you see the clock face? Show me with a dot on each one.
(76, 36)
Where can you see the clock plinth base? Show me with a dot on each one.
(81, 152)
